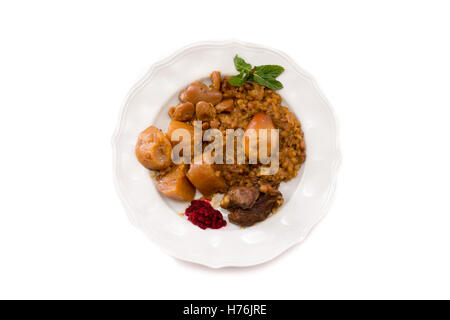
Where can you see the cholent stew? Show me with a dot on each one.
(240, 107)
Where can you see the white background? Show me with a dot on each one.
(65, 68)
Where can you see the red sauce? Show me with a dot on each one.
(202, 214)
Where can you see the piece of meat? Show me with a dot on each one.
(240, 197)
(262, 208)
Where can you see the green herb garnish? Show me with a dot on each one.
(264, 75)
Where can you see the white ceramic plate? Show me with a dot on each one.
(306, 198)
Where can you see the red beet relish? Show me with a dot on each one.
(202, 214)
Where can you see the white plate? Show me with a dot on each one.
(306, 198)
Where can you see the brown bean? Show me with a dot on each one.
(205, 111)
(198, 91)
(216, 80)
(182, 112)
(225, 106)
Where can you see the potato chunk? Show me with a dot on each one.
(204, 178)
(174, 125)
(176, 186)
(259, 121)
(153, 149)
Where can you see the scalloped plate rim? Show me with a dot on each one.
(148, 76)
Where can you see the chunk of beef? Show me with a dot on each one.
(262, 208)
(240, 197)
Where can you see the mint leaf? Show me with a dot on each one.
(268, 82)
(269, 71)
(264, 75)
(241, 65)
(237, 81)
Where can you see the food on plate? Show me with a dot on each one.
(206, 178)
(174, 125)
(198, 91)
(264, 206)
(225, 106)
(240, 197)
(202, 214)
(153, 149)
(247, 102)
(175, 184)
(205, 111)
(216, 80)
(259, 121)
(182, 112)
(264, 75)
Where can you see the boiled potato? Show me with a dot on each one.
(174, 125)
(204, 178)
(176, 186)
(259, 121)
(153, 149)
